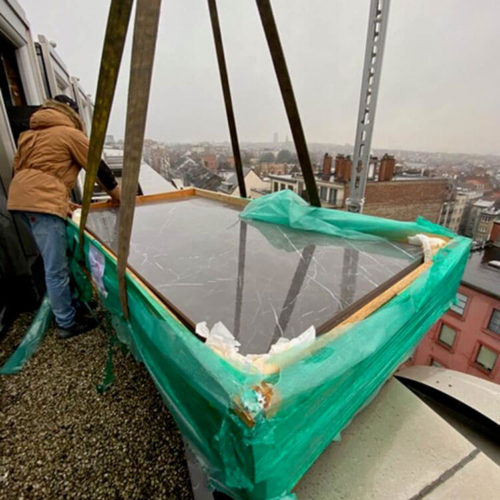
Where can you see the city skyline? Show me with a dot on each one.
(288, 145)
(445, 103)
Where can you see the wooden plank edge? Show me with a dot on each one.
(222, 197)
(148, 198)
(179, 194)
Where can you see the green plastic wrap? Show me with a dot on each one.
(31, 340)
(257, 428)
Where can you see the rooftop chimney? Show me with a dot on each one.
(327, 167)
(343, 166)
(387, 166)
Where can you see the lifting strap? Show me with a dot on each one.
(219, 49)
(279, 62)
(143, 49)
(114, 41)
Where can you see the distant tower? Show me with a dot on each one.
(275, 138)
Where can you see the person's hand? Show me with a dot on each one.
(72, 207)
(115, 195)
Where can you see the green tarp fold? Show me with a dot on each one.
(29, 344)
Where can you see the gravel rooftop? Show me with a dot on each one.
(59, 438)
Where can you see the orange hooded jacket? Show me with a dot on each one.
(48, 160)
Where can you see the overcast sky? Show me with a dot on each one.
(439, 89)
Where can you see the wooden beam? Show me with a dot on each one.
(224, 198)
(177, 195)
(149, 198)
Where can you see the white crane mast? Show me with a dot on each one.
(375, 40)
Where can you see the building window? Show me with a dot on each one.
(323, 193)
(494, 324)
(333, 196)
(486, 358)
(282, 186)
(459, 307)
(436, 363)
(447, 335)
(290, 187)
(11, 87)
(275, 186)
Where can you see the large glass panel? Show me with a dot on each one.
(263, 281)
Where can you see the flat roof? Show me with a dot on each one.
(283, 177)
(479, 275)
(152, 182)
(484, 203)
(398, 447)
(399, 180)
(417, 179)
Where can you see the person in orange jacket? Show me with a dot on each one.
(49, 157)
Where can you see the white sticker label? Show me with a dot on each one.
(97, 265)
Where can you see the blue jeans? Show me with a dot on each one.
(49, 232)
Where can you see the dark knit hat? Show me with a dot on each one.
(67, 100)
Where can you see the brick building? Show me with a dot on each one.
(401, 199)
(467, 337)
(405, 199)
(263, 169)
(495, 233)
